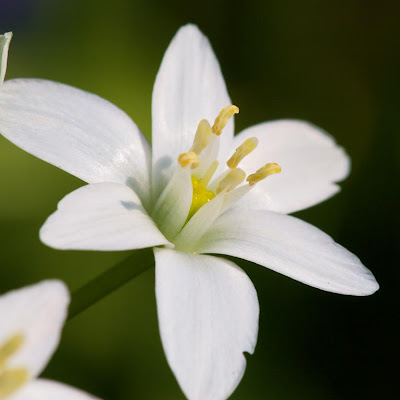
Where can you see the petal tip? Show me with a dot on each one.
(56, 285)
(189, 27)
(8, 35)
(372, 287)
(190, 32)
(54, 290)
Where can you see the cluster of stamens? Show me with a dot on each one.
(11, 378)
(231, 178)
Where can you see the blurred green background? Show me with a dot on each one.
(334, 63)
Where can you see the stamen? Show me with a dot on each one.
(234, 178)
(10, 347)
(263, 172)
(202, 137)
(223, 118)
(11, 380)
(242, 151)
(205, 180)
(189, 158)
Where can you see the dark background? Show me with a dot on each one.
(334, 63)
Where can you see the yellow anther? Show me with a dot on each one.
(189, 158)
(223, 118)
(263, 172)
(242, 151)
(202, 137)
(11, 380)
(205, 180)
(10, 347)
(234, 178)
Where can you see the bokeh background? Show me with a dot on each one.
(335, 63)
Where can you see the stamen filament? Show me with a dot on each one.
(10, 347)
(242, 151)
(189, 158)
(234, 178)
(11, 380)
(205, 180)
(202, 137)
(263, 172)
(223, 118)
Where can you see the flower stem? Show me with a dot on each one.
(110, 280)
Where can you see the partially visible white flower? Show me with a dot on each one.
(4, 45)
(31, 322)
(188, 198)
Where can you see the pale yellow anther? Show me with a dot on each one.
(10, 347)
(205, 180)
(234, 178)
(242, 151)
(11, 380)
(263, 172)
(189, 158)
(202, 137)
(223, 118)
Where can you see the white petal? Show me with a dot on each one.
(291, 247)
(101, 216)
(189, 87)
(172, 208)
(311, 164)
(4, 45)
(76, 131)
(43, 389)
(208, 316)
(38, 313)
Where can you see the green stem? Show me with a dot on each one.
(110, 280)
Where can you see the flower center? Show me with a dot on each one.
(11, 379)
(201, 158)
(201, 196)
(196, 193)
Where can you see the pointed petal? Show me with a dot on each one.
(311, 163)
(189, 87)
(291, 247)
(208, 316)
(4, 45)
(43, 389)
(101, 216)
(76, 131)
(37, 314)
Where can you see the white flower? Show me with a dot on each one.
(30, 329)
(137, 197)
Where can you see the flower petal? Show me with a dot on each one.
(37, 314)
(291, 247)
(101, 216)
(189, 87)
(208, 316)
(4, 45)
(76, 131)
(311, 164)
(173, 205)
(43, 389)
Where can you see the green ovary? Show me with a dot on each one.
(201, 196)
